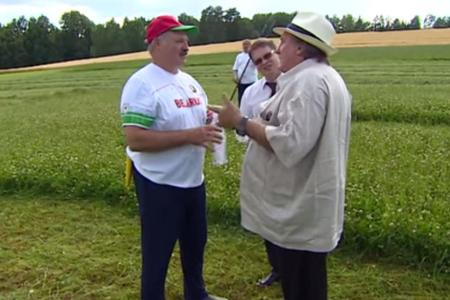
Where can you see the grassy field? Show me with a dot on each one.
(84, 249)
(69, 230)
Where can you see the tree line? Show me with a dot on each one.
(34, 41)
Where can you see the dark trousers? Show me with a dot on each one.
(303, 273)
(271, 256)
(169, 214)
(241, 89)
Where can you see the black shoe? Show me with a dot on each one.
(269, 279)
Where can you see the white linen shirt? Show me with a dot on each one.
(250, 74)
(294, 196)
(253, 96)
(155, 99)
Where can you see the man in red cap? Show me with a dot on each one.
(164, 112)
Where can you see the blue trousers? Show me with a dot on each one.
(169, 214)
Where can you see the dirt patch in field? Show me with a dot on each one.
(393, 38)
(343, 40)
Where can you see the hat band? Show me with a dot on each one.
(303, 31)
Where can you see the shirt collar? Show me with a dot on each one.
(289, 75)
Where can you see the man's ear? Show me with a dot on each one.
(159, 40)
(300, 50)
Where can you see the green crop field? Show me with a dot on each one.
(69, 229)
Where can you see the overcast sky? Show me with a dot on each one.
(100, 11)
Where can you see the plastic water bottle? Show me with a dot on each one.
(220, 150)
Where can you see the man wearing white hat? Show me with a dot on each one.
(294, 172)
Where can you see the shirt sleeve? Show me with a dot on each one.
(137, 106)
(301, 123)
(245, 107)
(236, 63)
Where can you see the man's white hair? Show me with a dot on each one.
(151, 46)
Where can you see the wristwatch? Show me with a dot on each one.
(241, 126)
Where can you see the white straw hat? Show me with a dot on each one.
(312, 28)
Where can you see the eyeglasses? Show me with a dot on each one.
(266, 56)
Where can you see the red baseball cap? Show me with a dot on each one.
(162, 24)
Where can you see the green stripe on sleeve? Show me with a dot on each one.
(132, 118)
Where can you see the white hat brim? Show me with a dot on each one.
(328, 50)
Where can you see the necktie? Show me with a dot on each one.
(273, 86)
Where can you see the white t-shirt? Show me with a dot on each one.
(251, 74)
(252, 98)
(155, 99)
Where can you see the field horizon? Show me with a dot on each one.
(341, 41)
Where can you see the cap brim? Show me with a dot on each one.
(308, 39)
(185, 28)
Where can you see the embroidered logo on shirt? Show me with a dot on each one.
(180, 103)
(193, 88)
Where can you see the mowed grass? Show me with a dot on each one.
(62, 157)
(81, 249)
